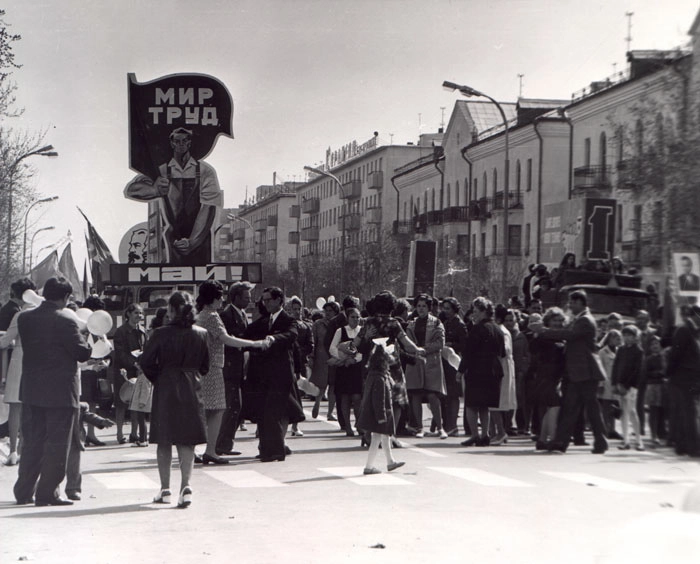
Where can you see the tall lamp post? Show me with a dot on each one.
(31, 244)
(342, 234)
(26, 215)
(46, 151)
(471, 92)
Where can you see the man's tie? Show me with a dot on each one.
(269, 325)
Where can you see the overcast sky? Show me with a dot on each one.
(304, 75)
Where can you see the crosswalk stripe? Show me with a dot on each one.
(481, 477)
(425, 451)
(125, 481)
(244, 479)
(141, 455)
(354, 474)
(602, 483)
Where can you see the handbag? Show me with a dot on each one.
(307, 387)
(104, 391)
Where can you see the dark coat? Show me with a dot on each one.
(234, 358)
(684, 358)
(481, 365)
(127, 339)
(582, 361)
(628, 365)
(7, 312)
(376, 413)
(52, 346)
(174, 359)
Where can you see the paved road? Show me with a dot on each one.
(448, 504)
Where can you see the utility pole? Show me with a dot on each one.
(520, 89)
(442, 119)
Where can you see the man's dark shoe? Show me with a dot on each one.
(580, 442)
(55, 501)
(227, 452)
(272, 459)
(25, 501)
(556, 447)
(600, 448)
(75, 496)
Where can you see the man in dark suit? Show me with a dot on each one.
(687, 281)
(15, 303)
(583, 371)
(49, 392)
(276, 372)
(236, 323)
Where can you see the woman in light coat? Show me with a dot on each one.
(424, 375)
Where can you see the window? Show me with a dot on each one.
(456, 194)
(483, 244)
(514, 239)
(529, 175)
(603, 149)
(640, 137)
(476, 186)
(449, 191)
(587, 151)
(517, 177)
(495, 182)
(618, 231)
(620, 139)
(494, 239)
(462, 244)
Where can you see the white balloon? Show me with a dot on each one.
(100, 323)
(320, 302)
(31, 297)
(82, 325)
(83, 313)
(101, 348)
(331, 298)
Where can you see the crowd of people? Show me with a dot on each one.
(202, 370)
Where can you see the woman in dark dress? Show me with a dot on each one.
(348, 374)
(549, 367)
(482, 370)
(456, 339)
(174, 360)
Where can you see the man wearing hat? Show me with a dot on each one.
(190, 195)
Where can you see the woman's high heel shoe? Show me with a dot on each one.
(209, 459)
(93, 441)
(163, 496)
(185, 498)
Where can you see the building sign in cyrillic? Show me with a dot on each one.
(161, 273)
(349, 151)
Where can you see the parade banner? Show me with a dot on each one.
(174, 123)
(164, 274)
(686, 279)
(196, 102)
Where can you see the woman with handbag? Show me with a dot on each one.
(348, 372)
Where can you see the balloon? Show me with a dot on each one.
(320, 302)
(82, 325)
(83, 313)
(331, 298)
(31, 297)
(101, 348)
(100, 323)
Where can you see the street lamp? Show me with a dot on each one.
(342, 235)
(46, 151)
(468, 91)
(31, 244)
(26, 215)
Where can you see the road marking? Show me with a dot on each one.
(320, 419)
(482, 477)
(684, 480)
(602, 483)
(141, 456)
(244, 479)
(354, 474)
(424, 451)
(125, 481)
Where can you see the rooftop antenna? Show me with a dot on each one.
(442, 120)
(614, 65)
(629, 30)
(520, 80)
(391, 138)
(419, 123)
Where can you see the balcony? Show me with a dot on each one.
(310, 233)
(480, 209)
(628, 174)
(455, 214)
(272, 221)
(311, 205)
(420, 224)
(260, 248)
(350, 222)
(402, 227)
(374, 215)
(293, 264)
(271, 244)
(294, 212)
(293, 238)
(592, 178)
(375, 180)
(514, 201)
(260, 224)
(434, 217)
(351, 190)
(239, 234)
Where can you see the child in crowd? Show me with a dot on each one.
(655, 370)
(626, 376)
(376, 413)
(606, 392)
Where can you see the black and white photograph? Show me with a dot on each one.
(349, 281)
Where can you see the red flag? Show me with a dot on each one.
(47, 268)
(67, 267)
(98, 252)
